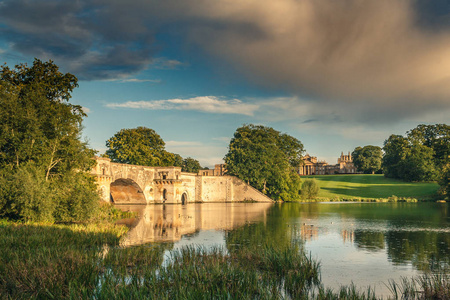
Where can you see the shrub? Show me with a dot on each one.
(310, 189)
(26, 195)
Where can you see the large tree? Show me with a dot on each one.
(436, 137)
(40, 145)
(394, 153)
(266, 159)
(139, 146)
(420, 156)
(367, 159)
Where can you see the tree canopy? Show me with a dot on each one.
(43, 162)
(143, 146)
(190, 165)
(267, 160)
(367, 159)
(420, 156)
(139, 146)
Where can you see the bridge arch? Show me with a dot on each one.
(184, 198)
(127, 191)
(164, 195)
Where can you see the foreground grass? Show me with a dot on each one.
(371, 187)
(86, 262)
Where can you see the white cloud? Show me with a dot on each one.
(140, 80)
(166, 64)
(224, 139)
(86, 110)
(182, 144)
(208, 104)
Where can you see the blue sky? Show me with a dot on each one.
(334, 74)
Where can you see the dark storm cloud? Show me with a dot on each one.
(366, 60)
(87, 38)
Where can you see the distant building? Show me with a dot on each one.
(219, 170)
(311, 166)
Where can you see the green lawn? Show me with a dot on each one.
(371, 186)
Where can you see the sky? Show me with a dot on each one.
(333, 74)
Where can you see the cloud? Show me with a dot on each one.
(166, 64)
(86, 110)
(370, 56)
(88, 38)
(386, 60)
(224, 139)
(140, 80)
(208, 104)
(182, 144)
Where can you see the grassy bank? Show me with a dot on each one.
(365, 187)
(86, 262)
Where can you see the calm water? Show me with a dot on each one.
(364, 243)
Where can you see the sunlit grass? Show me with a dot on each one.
(371, 187)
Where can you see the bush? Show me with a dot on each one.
(310, 189)
(26, 195)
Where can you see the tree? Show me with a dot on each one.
(420, 156)
(310, 189)
(444, 182)
(395, 148)
(436, 137)
(177, 160)
(367, 159)
(190, 165)
(40, 144)
(139, 146)
(265, 159)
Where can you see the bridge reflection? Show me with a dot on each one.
(168, 223)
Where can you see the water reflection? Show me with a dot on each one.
(364, 243)
(168, 223)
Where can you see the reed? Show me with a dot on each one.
(428, 286)
(42, 261)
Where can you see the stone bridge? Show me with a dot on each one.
(132, 184)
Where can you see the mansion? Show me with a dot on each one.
(311, 166)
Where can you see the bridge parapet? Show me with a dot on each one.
(166, 185)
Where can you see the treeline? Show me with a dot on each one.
(423, 154)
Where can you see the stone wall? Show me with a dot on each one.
(131, 184)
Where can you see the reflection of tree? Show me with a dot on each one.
(425, 250)
(274, 232)
(369, 240)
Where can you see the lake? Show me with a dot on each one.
(364, 243)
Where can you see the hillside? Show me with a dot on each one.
(370, 186)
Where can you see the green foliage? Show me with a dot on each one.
(420, 155)
(139, 146)
(190, 165)
(367, 159)
(25, 194)
(444, 182)
(41, 155)
(436, 137)
(177, 160)
(394, 152)
(266, 159)
(310, 189)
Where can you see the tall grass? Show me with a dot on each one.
(428, 286)
(39, 261)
